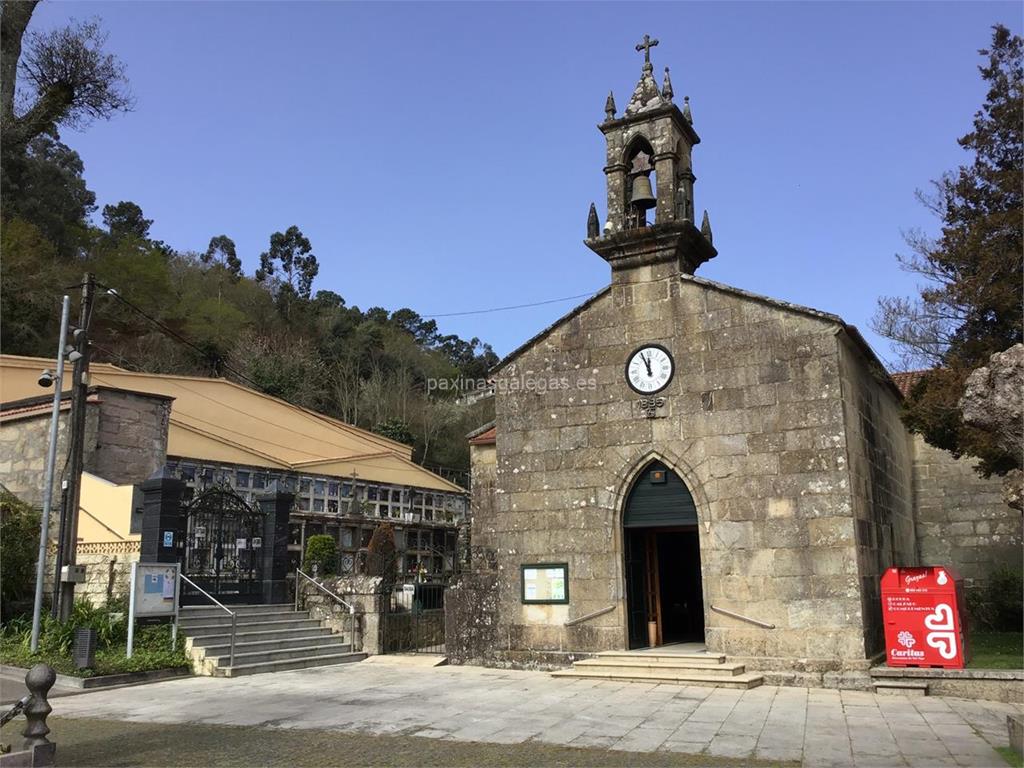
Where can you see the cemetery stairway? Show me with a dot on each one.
(269, 638)
(651, 666)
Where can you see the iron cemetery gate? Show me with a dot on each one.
(412, 615)
(223, 548)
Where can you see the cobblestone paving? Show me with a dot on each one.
(471, 704)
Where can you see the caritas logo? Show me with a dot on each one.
(907, 640)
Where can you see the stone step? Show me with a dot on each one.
(901, 687)
(221, 628)
(213, 610)
(219, 637)
(697, 658)
(647, 668)
(243, 658)
(244, 645)
(743, 681)
(286, 664)
(242, 618)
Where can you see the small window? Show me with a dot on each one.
(346, 489)
(332, 506)
(347, 535)
(188, 473)
(302, 504)
(319, 486)
(318, 505)
(371, 493)
(304, 485)
(259, 480)
(332, 489)
(241, 479)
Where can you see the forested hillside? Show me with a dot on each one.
(277, 329)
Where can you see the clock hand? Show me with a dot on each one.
(647, 364)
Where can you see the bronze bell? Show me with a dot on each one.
(643, 195)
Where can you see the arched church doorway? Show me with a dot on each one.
(664, 598)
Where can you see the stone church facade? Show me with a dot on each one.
(795, 480)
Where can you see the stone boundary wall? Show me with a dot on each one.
(108, 569)
(23, 445)
(962, 521)
(363, 592)
(471, 618)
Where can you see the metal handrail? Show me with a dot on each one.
(329, 593)
(589, 616)
(232, 614)
(741, 617)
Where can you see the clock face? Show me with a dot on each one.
(649, 369)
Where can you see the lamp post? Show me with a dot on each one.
(51, 460)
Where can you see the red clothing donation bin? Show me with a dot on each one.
(921, 614)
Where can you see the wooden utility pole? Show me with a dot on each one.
(76, 457)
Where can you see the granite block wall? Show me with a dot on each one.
(755, 424)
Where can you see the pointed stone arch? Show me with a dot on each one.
(630, 470)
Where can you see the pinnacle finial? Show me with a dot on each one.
(666, 87)
(609, 106)
(686, 110)
(705, 227)
(593, 223)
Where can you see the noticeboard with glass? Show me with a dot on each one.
(545, 583)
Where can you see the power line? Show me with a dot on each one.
(218, 362)
(513, 306)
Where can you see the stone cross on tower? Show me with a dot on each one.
(646, 46)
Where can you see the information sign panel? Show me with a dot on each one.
(545, 583)
(154, 589)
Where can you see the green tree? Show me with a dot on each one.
(126, 220)
(970, 306)
(32, 280)
(322, 552)
(291, 258)
(221, 251)
(19, 547)
(45, 188)
(381, 556)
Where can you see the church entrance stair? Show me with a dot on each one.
(651, 666)
(269, 638)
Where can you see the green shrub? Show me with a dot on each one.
(321, 551)
(152, 648)
(19, 549)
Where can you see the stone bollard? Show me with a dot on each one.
(38, 751)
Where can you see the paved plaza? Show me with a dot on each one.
(472, 704)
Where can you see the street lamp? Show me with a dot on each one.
(55, 380)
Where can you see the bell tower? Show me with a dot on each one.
(649, 169)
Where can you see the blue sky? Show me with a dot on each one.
(443, 156)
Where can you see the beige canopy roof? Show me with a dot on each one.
(219, 420)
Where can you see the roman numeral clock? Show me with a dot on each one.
(649, 370)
